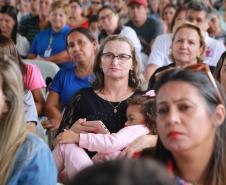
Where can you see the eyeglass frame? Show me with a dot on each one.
(112, 56)
(96, 3)
(107, 16)
(200, 67)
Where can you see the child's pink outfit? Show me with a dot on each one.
(33, 78)
(71, 158)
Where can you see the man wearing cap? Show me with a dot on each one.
(146, 28)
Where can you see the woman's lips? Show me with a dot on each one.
(174, 135)
(114, 69)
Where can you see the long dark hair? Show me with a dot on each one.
(83, 31)
(8, 47)
(220, 63)
(12, 12)
(217, 166)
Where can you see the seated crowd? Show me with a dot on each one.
(137, 79)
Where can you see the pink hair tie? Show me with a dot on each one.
(150, 93)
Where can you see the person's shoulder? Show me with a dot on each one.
(130, 33)
(20, 37)
(35, 141)
(86, 91)
(43, 33)
(163, 39)
(152, 20)
(66, 29)
(32, 145)
(212, 42)
(66, 70)
(127, 28)
(164, 68)
(165, 36)
(83, 94)
(129, 23)
(33, 161)
(31, 67)
(29, 19)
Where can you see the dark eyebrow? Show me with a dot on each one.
(175, 101)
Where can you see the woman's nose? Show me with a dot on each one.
(173, 117)
(183, 44)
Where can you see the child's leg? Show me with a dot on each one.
(71, 158)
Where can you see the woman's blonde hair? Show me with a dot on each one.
(12, 126)
(59, 4)
(136, 78)
(199, 32)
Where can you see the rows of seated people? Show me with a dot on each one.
(103, 103)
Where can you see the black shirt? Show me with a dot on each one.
(87, 104)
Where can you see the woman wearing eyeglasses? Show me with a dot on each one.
(76, 19)
(188, 47)
(191, 127)
(110, 24)
(93, 9)
(118, 77)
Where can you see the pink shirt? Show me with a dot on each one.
(33, 78)
(109, 146)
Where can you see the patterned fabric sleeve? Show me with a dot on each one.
(72, 113)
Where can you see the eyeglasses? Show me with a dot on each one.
(107, 16)
(201, 67)
(96, 2)
(123, 57)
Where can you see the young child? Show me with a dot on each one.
(70, 156)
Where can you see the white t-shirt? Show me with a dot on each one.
(132, 36)
(162, 47)
(22, 45)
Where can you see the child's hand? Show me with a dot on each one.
(68, 136)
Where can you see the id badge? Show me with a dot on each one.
(48, 52)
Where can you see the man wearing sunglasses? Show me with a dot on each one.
(199, 14)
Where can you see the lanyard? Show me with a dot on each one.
(50, 41)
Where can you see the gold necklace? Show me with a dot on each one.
(114, 107)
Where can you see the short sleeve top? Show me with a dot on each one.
(33, 78)
(66, 83)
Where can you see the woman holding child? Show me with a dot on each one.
(118, 78)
